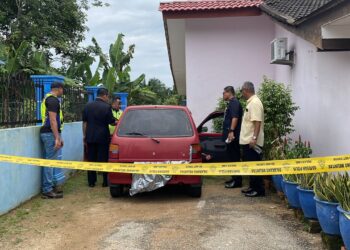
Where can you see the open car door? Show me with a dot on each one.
(212, 142)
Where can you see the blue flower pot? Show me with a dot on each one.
(292, 193)
(344, 224)
(277, 181)
(328, 216)
(283, 186)
(307, 203)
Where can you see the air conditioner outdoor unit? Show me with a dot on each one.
(280, 53)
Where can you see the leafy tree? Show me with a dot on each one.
(78, 65)
(165, 95)
(162, 91)
(46, 24)
(174, 99)
(24, 60)
(116, 73)
(113, 71)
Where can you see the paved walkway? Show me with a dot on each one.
(90, 219)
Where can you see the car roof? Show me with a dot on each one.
(139, 107)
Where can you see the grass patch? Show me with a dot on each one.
(12, 222)
(77, 182)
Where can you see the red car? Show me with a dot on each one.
(159, 134)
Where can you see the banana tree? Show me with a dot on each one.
(24, 59)
(113, 71)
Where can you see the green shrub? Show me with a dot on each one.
(296, 150)
(325, 187)
(218, 122)
(291, 178)
(342, 188)
(307, 181)
(279, 111)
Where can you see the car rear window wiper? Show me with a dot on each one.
(140, 134)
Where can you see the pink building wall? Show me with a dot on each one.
(229, 51)
(221, 52)
(321, 87)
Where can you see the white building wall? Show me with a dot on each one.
(321, 87)
(221, 52)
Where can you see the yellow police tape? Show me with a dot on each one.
(295, 166)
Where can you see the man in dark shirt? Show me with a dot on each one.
(231, 131)
(97, 116)
(50, 134)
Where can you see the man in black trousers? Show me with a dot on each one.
(231, 132)
(97, 116)
(252, 137)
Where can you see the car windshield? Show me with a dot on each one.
(156, 123)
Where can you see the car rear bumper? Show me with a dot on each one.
(126, 179)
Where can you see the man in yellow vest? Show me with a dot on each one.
(116, 111)
(50, 134)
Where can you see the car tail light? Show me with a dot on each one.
(114, 151)
(196, 151)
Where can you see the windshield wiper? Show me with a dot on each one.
(140, 134)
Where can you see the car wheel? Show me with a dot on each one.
(116, 190)
(195, 191)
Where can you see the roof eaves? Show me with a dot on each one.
(295, 22)
(277, 15)
(319, 11)
(169, 52)
(207, 5)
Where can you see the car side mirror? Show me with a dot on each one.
(204, 129)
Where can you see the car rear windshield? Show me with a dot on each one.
(156, 123)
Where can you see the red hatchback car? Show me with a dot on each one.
(159, 134)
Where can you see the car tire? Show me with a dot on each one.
(116, 191)
(195, 191)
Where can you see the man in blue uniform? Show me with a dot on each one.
(231, 131)
(97, 116)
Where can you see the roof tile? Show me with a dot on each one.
(208, 5)
(296, 10)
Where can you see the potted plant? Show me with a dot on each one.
(327, 203)
(343, 196)
(277, 182)
(298, 149)
(291, 182)
(306, 195)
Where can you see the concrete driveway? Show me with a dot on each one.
(167, 219)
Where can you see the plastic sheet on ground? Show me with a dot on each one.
(148, 182)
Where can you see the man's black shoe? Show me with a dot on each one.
(253, 194)
(58, 189)
(246, 190)
(229, 181)
(91, 185)
(233, 184)
(51, 195)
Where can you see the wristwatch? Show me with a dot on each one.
(231, 130)
(254, 138)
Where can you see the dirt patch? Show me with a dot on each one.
(167, 219)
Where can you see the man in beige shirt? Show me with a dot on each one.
(252, 137)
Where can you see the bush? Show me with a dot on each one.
(218, 122)
(279, 111)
